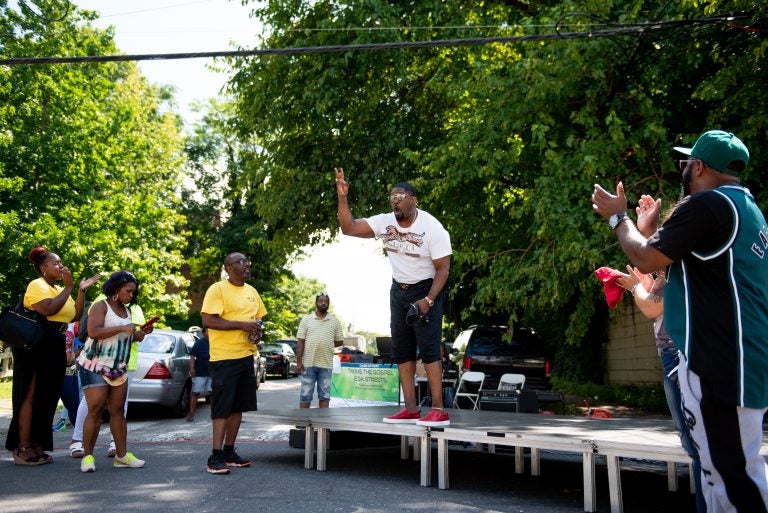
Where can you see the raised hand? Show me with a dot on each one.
(342, 187)
(606, 204)
(84, 284)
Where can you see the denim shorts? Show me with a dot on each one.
(201, 384)
(315, 376)
(90, 379)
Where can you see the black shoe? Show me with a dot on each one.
(216, 465)
(232, 459)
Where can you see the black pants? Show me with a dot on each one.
(46, 364)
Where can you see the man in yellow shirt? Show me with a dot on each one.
(232, 312)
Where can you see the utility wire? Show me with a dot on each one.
(638, 29)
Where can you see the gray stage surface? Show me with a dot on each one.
(586, 437)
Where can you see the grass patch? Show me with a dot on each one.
(5, 389)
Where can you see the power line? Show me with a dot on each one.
(638, 29)
(159, 8)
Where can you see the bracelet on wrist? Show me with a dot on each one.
(632, 290)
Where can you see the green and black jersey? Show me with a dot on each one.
(716, 298)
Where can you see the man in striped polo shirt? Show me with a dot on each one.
(319, 332)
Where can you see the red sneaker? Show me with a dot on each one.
(403, 417)
(434, 418)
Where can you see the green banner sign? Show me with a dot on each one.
(366, 382)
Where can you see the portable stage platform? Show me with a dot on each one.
(612, 438)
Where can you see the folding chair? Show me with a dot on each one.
(473, 379)
(512, 382)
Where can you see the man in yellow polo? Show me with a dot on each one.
(232, 312)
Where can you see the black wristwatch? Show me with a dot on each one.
(616, 219)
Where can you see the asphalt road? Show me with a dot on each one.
(369, 480)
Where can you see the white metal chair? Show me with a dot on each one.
(512, 382)
(473, 379)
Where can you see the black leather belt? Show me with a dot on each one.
(61, 327)
(409, 285)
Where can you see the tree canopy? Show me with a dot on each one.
(90, 158)
(503, 141)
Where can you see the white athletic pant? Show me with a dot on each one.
(733, 473)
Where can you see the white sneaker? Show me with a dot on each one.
(112, 449)
(128, 461)
(88, 464)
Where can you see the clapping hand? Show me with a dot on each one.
(635, 278)
(606, 204)
(84, 284)
(648, 211)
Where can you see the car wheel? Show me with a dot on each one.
(263, 377)
(286, 371)
(182, 405)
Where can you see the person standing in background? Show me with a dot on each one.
(319, 333)
(70, 388)
(648, 292)
(199, 357)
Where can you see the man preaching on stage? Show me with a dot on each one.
(419, 250)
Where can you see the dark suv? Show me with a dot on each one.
(486, 349)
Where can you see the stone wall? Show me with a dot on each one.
(630, 356)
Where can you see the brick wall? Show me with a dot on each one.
(631, 357)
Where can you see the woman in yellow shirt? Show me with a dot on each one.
(38, 372)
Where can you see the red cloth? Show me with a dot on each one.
(613, 291)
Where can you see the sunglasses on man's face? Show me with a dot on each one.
(682, 164)
(398, 196)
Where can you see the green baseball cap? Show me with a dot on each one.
(720, 150)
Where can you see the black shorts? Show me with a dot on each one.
(233, 387)
(425, 335)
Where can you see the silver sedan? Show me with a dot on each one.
(162, 371)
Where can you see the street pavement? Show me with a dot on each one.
(369, 480)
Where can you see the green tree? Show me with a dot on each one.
(287, 302)
(503, 141)
(90, 159)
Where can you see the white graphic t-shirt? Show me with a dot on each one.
(411, 250)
